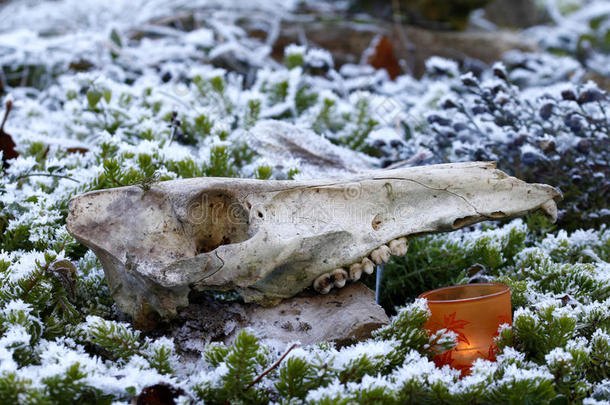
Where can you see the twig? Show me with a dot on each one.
(9, 105)
(2, 81)
(59, 176)
(270, 369)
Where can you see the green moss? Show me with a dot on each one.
(293, 60)
(263, 172)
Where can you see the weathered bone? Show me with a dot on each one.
(269, 240)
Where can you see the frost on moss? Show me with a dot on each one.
(558, 346)
(144, 107)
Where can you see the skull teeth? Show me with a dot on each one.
(550, 209)
(339, 276)
(323, 283)
(355, 271)
(381, 254)
(398, 247)
(367, 265)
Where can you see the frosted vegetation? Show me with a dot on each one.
(104, 97)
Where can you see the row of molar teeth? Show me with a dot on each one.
(339, 277)
(398, 247)
(381, 255)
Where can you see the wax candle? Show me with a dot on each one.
(474, 312)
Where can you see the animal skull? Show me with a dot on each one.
(270, 240)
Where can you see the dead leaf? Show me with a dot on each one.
(66, 272)
(7, 146)
(382, 57)
(158, 394)
(77, 149)
(80, 65)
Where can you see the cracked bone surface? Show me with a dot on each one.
(269, 240)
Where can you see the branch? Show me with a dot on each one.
(9, 104)
(270, 369)
(59, 176)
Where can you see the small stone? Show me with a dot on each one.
(479, 109)
(469, 80)
(459, 126)
(583, 146)
(448, 104)
(545, 111)
(396, 143)
(568, 95)
(500, 73)
(436, 119)
(589, 96)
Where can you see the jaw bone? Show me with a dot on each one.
(272, 239)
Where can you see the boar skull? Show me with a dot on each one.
(270, 240)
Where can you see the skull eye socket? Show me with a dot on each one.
(217, 218)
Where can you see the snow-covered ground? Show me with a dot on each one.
(108, 93)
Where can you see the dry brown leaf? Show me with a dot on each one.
(7, 145)
(382, 57)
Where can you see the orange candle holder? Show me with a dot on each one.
(474, 312)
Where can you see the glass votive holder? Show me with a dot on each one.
(474, 312)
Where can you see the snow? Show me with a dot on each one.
(334, 390)
(319, 58)
(558, 355)
(23, 263)
(448, 67)
(419, 369)
(15, 336)
(372, 349)
(513, 374)
(420, 304)
(16, 305)
(55, 113)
